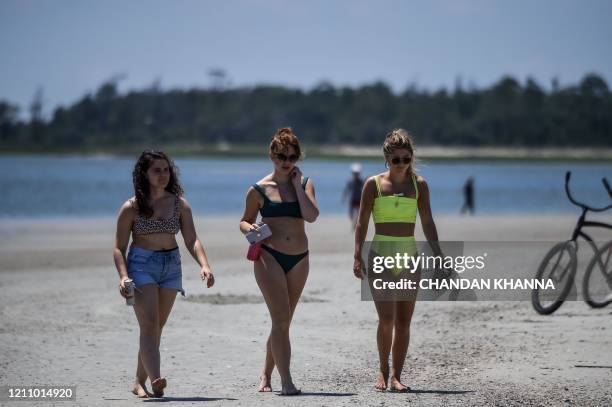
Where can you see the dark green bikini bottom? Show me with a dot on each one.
(286, 261)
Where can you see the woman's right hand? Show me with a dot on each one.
(122, 289)
(253, 228)
(358, 268)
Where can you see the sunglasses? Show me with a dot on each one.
(398, 160)
(283, 157)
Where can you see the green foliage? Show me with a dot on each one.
(8, 122)
(506, 114)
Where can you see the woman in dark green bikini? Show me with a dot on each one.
(285, 200)
(393, 198)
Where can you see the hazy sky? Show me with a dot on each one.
(69, 47)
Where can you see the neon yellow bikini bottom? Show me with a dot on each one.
(390, 246)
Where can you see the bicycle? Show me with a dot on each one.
(562, 270)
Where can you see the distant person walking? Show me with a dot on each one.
(153, 216)
(393, 199)
(286, 200)
(468, 196)
(352, 191)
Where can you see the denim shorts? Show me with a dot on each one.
(162, 268)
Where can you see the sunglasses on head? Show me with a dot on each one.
(398, 160)
(283, 157)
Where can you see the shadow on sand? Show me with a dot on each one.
(594, 366)
(322, 394)
(418, 391)
(195, 398)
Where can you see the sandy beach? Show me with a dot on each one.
(64, 323)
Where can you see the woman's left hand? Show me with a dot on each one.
(207, 275)
(296, 177)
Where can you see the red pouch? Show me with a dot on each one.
(254, 252)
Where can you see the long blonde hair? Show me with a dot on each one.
(400, 139)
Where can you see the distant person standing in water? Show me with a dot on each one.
(353, 192)
(468, 196)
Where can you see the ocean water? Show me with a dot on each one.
(57, 186)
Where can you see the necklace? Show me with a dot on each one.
(397, 197)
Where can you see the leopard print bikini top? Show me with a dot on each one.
(146, 226)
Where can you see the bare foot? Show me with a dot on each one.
(158, 386)
(290, 390)
(140, 390)
(381, 381)
(265, 386)
(397, 386)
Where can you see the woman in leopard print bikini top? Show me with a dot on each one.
(153, 266)
(146, 226)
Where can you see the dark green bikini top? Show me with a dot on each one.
(275, 209)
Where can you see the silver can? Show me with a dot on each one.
(129, 286)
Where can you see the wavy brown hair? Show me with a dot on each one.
(282, 139)
(141, 183)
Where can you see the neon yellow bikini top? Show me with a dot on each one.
(394, 208)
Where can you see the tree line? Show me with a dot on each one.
(508, 113)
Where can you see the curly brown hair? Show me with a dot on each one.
(283, 138)
(141, 183)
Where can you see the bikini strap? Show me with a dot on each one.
(377, 185)
(416, 189)
(261, 191)
(304, 181)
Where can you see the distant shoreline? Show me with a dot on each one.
(348, 152)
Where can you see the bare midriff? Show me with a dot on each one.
(288, 234)
(394, 229)
(155, 241)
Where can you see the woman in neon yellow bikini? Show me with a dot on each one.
(393, 198)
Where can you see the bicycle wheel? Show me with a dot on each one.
(597, 283)
(559, 265)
